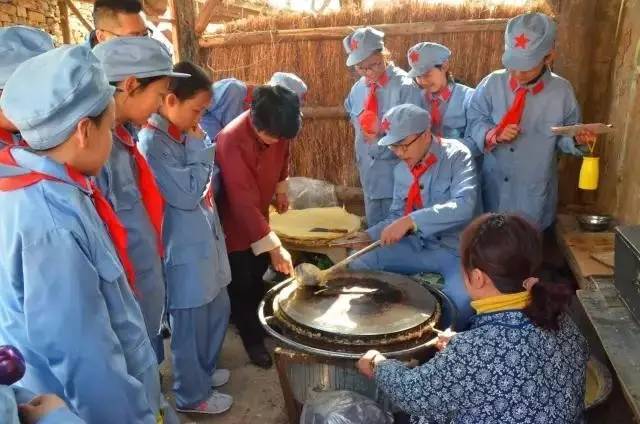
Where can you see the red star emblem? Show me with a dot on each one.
(414, 56)
(385, 125)
(353, 44)
(521, 41)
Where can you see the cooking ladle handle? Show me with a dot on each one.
(353, 256)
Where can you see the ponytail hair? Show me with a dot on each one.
(508, 249)
(549, 301)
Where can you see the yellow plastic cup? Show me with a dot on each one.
(589, 173)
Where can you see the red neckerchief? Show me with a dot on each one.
(514, 114)
(248, 98)
(369, 117)
(116, 230)
(436, 115)
(414, 198)
(151, 195)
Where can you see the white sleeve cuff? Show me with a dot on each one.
(266, 244)
(282, 187)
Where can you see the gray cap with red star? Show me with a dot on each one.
(402, 121)
(527, 40)
(362, 43)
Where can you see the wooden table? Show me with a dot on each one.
(616, 330)
(619, 334)
(578, 246)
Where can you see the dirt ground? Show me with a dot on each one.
(256, 392)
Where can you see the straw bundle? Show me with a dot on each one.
(324, 150)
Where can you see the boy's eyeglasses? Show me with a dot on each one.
(403, 147)
(372, 67)
(148, 32)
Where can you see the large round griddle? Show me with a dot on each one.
(359, 305)
(355, 312)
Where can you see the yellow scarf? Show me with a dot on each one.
(504, 302)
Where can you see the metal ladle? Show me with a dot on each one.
(310, 275)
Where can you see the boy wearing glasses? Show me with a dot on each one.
(117, 18)
(434, 197)
(381, 86)
(510, 118)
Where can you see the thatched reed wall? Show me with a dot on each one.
(325, 147)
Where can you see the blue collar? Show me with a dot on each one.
(162, 124)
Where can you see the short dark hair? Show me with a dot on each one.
(276, 111)
(186, 88)
(509, 250)
(105, 9)
(144, 82)
(97, 119)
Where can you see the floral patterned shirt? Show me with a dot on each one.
(503, 370)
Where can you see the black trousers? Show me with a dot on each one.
(246, 290)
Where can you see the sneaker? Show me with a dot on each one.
(216, 404)
(220, 377)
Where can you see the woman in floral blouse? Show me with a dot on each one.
(523, 359)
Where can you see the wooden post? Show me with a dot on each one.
(588, 67)
(574, 54)
(185, 41)
(78, 14)
(336, 33)
(64, 21)
(205, 15)
(282, 358)
(324, 112)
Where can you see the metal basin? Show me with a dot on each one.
(595, 223)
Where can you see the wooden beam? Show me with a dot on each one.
(78, 14)
(64, 22)
(336, 33)
(324, 112)
(248, 6)
(205, 15)
(220, 10)
(235, 11)
(185, 42)
(220, 19)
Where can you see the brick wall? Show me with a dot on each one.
(39, 13)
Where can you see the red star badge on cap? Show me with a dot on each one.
(521, 41)
(414, 56)
(385, 125)
(353, 44)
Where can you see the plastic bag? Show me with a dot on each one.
(307, 193)
(343, 407)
